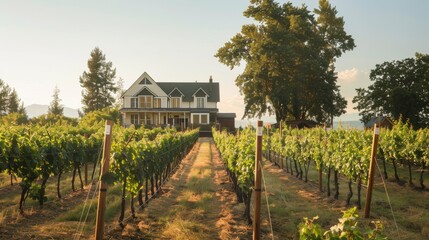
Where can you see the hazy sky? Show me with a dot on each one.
(47, 43)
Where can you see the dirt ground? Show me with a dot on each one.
(196, 203)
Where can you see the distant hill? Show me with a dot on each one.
(35, 110)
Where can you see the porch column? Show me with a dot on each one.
(138, 118)
(125, 119)
(159, 118)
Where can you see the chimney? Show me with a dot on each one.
(211, 79)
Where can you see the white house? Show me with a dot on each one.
(178, 104)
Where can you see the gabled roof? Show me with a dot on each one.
(377, 120)
(146, 91)
(136, 87)
(176, 93)
(200, 93)
(189, 88)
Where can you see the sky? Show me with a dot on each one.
(47, 43)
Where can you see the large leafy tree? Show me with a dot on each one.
(56, 108)
(98, 83)
(400, 90)
(289, 55)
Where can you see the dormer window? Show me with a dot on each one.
(200, 102)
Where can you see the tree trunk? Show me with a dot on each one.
(74, 175)
(247, 200)
(42, 190)
(395, 171)
(140, 198)
(350, 194)
(121, 217)
(337, 185)
(24, 193)
(152, 186)
(359, 188)
(93, 170)
(286, 164)
(80, 178)
(133, 210)
(296, 168)
(300, 171)
(421, 175)
(306, 168)
(291, 168)
(328, 184)
(58, 185)
(146, 190)
(410, 180)
(384, 168)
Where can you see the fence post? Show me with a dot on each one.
(257, 189)
(371, 171)
(101, 208)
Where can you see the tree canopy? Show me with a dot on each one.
(289, 55)
(400, 91)
(98, 83)
(56, 108)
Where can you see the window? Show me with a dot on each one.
(196, 119)
(157, 103)
(146, 101)
(200, 102)
(135, 119)
(204, 119)
(146, 119)
(134, 103)
(145, 81)
(175, 102)
(200, 118)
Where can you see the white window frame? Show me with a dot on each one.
(145, 97)
(197, 102)
(134, 118)
(199, 118)
(172, 101)
(134, 100)
(157, 99)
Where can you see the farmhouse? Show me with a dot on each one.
(178, 104)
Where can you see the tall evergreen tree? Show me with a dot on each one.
(56, 108)
(13, 103)
(98, 83)
(4, 97)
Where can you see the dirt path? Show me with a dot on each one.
(196, 203)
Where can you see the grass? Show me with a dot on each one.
(292, 199)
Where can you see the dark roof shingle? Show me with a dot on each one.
(189, 88)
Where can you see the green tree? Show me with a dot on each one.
(56, 108)
(13, 103)
(289, 58)
(98, 83)
(400, 91)
(4, 98)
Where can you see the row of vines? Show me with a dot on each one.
(36, 153)
(238, 154)
(347, 152)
